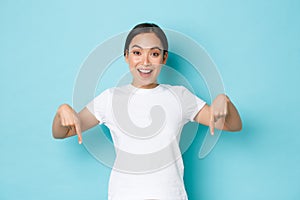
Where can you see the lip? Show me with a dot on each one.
(145, 73)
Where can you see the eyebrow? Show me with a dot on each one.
(142, 47)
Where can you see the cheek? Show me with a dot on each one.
(158, 60)
(133, 61)
(132, 64)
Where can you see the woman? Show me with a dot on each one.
(148, 162)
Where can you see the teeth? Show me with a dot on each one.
(145, 71)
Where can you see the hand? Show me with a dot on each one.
(218, 111)
(69, 119)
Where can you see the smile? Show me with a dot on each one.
(145, 71)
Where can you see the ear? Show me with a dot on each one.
(165, 58)
(126, 56)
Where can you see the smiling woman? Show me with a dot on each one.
(145, 119)
(146, 56)
(145, 59)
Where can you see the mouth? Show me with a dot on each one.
(145, 72)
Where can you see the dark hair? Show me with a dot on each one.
(147, 28)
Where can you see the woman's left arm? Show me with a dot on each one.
(222, 114)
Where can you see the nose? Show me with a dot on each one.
(146, 59)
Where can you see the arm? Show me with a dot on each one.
(68, 123)
(222, 115)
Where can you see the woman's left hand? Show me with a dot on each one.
(218, 111)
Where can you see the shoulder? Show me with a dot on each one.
(178, 89)
(112, 90)
(173, 87)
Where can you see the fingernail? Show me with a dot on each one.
(80, 142)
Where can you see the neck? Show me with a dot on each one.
(148, 86)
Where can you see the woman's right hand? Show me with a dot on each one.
(70, 120)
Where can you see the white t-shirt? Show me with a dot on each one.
(145, 126)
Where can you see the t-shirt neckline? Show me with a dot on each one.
(144, 90)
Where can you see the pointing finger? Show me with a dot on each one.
(212, 124)
(78, 132)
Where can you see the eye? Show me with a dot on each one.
(155, 54)
(137, 53)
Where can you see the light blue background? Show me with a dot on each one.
(255, 45)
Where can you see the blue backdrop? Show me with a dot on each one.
(255, 45)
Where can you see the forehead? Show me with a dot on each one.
(146, 40)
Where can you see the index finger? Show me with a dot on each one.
(212, 124)
(78, 132)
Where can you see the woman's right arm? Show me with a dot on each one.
(67, 122)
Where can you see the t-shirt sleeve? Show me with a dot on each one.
(98, 106)
(191, 104)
